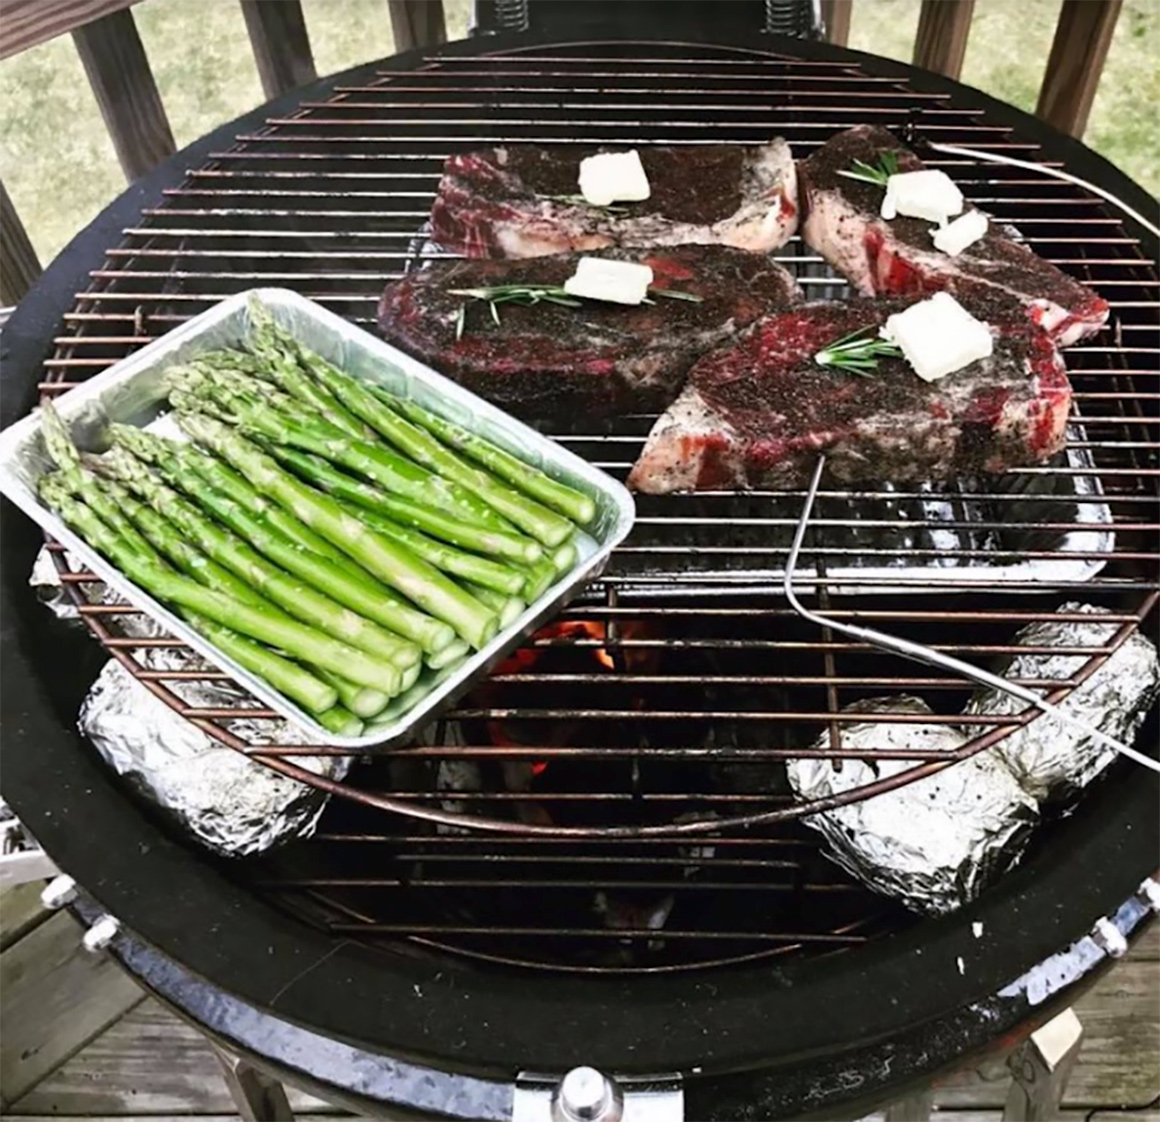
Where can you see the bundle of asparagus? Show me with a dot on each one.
(345, 545)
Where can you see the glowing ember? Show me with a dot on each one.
(570, 639)
(575, 633)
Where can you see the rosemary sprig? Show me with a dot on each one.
(533, 294)
(857, 353)
(878, 173)
(580, 200)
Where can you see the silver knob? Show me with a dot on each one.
(101, 934)
(587, 1095)
(1108, 936)
(58, 892)
(1149, 890)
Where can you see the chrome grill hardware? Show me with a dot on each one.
(1149, 892)
(102, 932)
(1109, 938)
(59, 891)
(657, 833)
(587, 1095)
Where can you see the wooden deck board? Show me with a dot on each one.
(150, 1063)
(56, 997)
(20, 911)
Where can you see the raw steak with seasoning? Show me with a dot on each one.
(599, 360)
(518, 201)
(757, 412)
(897, 257)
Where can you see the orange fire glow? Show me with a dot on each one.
(564, 633)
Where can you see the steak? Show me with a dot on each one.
(757, 412)
(548, 362)
(517, 201)
(897, 257)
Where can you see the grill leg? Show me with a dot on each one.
(1041, 1068)
(914, 1108)
(257, 1097)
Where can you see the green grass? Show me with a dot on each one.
(59, 166)
(1007, 55)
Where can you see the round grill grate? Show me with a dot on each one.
(614, 798)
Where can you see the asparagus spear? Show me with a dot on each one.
(257, 574)
(390, 562)
(63, 452)
(281, 537)
(271, 627)
(533, 518)
(406, 701)
(456, 653)
(538, 578)
(457, 562)
(374, 460)
(357, 591)
(291, 680)
(564, 558)
(204, 569)
(340, 721)
(478, 539)
(190, 460)
(508, 608)
(566, 500)
(279, 362)
(285, 676)
(360, 700)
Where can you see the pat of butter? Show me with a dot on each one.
(619, 282)
(925, 194)
(961, 233)
(613, 177)
(939, 336)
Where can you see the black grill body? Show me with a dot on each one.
(754, 1034)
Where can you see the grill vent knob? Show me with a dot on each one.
(1150, 891)
(1108, 936)
(101, 934)
(58, 892)
(587, 1095)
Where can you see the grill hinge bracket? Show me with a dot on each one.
(586, 1095)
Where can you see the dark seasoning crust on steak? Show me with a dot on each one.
(842, 221)
(758, 412)
(496, 202)
(547, 362)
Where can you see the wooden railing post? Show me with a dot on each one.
(941, 42)
(280, 43)
(19, 265)
(417, 23)
(1082, 38)
(836, 16)
(119, 74)
(25, 23)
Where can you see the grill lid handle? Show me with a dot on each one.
(585, 1094)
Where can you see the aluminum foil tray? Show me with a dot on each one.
(992, 525)
(131, 392)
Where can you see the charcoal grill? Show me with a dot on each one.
(490, 900)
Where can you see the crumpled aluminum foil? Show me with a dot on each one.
(934, 844)
(1053, 761)
(233, 805)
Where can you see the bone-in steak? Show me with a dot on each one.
(897, 257)
(515, 201)
(757, 412)
(547, 362)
